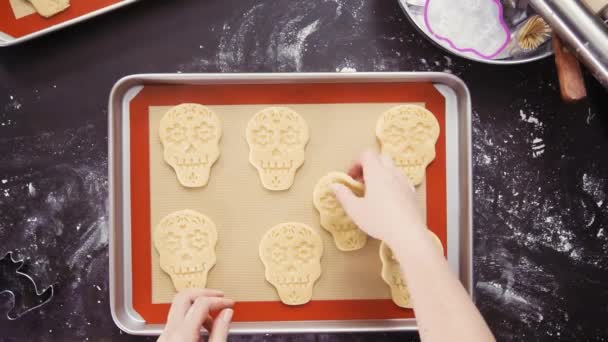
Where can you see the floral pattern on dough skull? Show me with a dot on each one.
(190, 135)
(408, 133)
(291, 254)
(186, 242)
(347, 236)
(277, 138)
(393, 277)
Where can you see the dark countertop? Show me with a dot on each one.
(540, 166)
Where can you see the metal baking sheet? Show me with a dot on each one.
(458, 189)
(52, 24)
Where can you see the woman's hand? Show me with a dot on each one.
(389, 210)
(190, 311)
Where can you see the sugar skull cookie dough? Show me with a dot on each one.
(277, 138)
(291, 253)
(186, 242)
(392, 276)
(190, 134)
(347, 236)
(408, 134)
(48, 8)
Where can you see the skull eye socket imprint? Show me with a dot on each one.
(185, 241)
(176, 133)
(277, 138)
(408, 133)
(392, 276)
(262, 137)
(190, 135)
(347, 236)
(291, 254)
(205, 131)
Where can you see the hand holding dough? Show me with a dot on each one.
(190, 134)
(346, 234)
(291, 253)
(186, 242)
(408, 134)
(277, 137)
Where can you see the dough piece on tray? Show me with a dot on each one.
(48, 8)
(291, 253)
(277, 138)
(392, 276)
(346, 234)
(186, 242)
(408, 134)
(190, 135)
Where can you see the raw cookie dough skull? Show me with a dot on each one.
(291, 253)
(346, 234)
(48, 8)
(186, 242)
(190, 134)
(277, 137)
(408, 134)
(392, 276)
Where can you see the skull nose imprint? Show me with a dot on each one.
(408, 133)
(186, 241)
(392, 276)
(190, 135)
(347, 236)
(277, 137)
(291, 254)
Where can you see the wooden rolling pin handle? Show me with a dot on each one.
(571, 82)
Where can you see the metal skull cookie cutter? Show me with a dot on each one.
(408, 134)
(190, 135)
(277, 137)
(21, 287)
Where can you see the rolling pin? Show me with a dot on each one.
(579, 28)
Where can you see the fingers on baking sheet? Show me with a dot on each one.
(190, 135)
(393, 277)
(291, 253)
(408, 133)
(346, 235)
(277, 138)
(186, 242)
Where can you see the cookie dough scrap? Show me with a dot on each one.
(408, 133)
(347, 236)
(190, 135)
(48, 8)
(186, 242)
(277, 138)
(291, 253)
(392, 276)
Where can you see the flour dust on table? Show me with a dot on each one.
(512, 202)
(54, 217)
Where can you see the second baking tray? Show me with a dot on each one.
(341, 110)
(19, 22)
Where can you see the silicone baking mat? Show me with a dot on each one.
(18, 18)
(342, 120)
